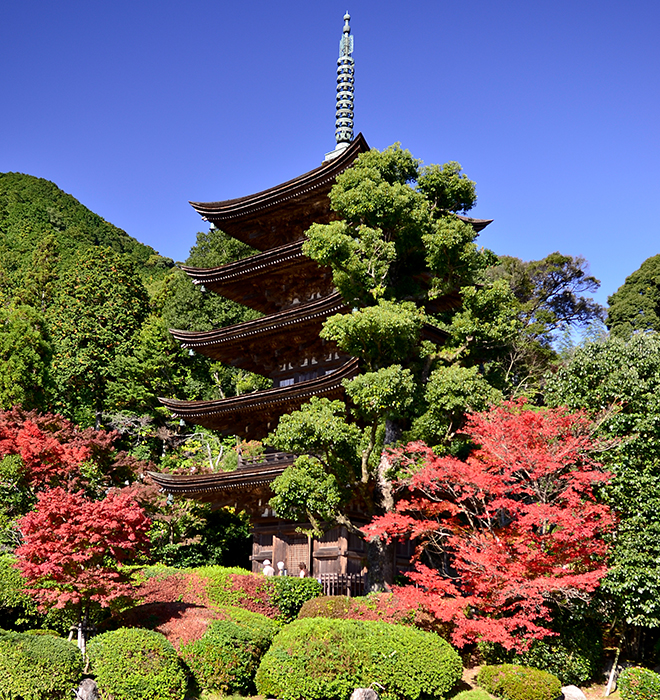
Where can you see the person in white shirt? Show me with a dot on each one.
(268, 569)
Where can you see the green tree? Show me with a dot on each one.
(549, 295)
(620, 381)
(397, 252)
(25, 355)
(100, 306)
(41, 278)
(635, 306)
(183, 305)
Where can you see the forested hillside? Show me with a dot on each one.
(85, 314)
(33, 209)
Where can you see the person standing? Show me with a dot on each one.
(268, 569)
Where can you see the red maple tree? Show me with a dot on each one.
(511, 529)
(73, 548)
(52, 449)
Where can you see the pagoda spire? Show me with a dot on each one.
(345, 91)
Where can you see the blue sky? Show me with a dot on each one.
(135, 107)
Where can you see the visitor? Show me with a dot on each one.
(303, 570)
(268, 569)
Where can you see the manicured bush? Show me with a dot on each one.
(475, 694)
(276, 596)
(572, 663)
(639, 684)
(136, 664)
(513, 682)
(386, 607)
(336, 607)
(38, 666)
(279, 597)
(291, 593)
(226, 658)
(574, 655)
(259, 624)
(324, 659)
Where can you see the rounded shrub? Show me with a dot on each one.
(226, 658)
(326, 659)
(136, 664)
(291, 593)
(335, 607)
(513, 682)
(574, 657)
(474, 694)
(257, 623)
(639, 684)
(38, 666)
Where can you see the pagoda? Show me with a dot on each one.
(295, 295)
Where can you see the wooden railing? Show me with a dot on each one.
(271, 458)
(350, 585)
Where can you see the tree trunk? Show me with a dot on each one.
(380, 555)
(380, 562)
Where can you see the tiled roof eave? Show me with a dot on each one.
(292, 189)
(276, 257)
(296, 315)
(257, 400)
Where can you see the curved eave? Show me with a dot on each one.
(434, 334)
(247, 267)
(306, 313)
(477, 224)
(245, 206)
(193, 411)
(195, 485)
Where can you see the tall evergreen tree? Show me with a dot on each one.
(100, 305)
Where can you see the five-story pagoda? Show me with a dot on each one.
(295, 295)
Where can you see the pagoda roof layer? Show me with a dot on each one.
(260, 345)
(254, 415)
(283, 213)
(477, 224)
(268, 281)
(243, 487)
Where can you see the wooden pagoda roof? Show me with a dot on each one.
(266, 282)
(292, 335)
(283, 213)
(477, 224)
(261, 344)
(243, 487)
(254, 415)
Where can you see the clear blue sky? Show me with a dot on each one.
(136, 106)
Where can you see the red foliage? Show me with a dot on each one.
(181, 623)
(256, 593)
(73, 547)
(178, 587)
(52, 448)
(511, 529)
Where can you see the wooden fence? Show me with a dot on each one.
(350, 585)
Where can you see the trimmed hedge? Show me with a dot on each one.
(278, 597)
(323, 659)
(575, 655)
(136, 664)
(386, 607)
(38, 667)
(291, 593)
(475, 694)
(513, 682)
(226, 658)
(639, 684)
